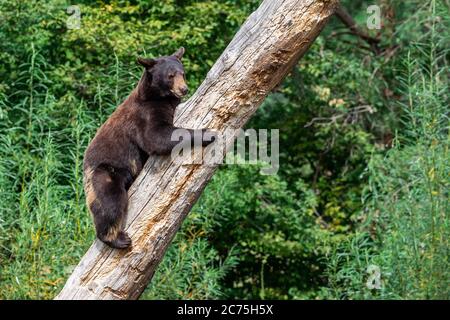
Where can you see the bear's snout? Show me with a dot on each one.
(184, 90)
(180, 87)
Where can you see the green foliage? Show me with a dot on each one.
(41, 196)
(272, 228)
(191, 269)
(405, 231)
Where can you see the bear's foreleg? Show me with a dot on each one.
(163, 140)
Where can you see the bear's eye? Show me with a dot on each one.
(171, 75)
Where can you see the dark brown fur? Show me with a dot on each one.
(142, 125)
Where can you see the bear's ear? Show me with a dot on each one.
(179, 53)
(147, 63)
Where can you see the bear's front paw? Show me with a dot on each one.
(122, 241)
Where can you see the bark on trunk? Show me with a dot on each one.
(264, 50)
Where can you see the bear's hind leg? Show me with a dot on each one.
(107, 200)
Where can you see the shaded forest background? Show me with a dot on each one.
(364, 173)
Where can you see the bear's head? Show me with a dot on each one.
(165, 75)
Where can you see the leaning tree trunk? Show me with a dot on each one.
(261, 54)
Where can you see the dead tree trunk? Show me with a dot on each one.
(264, 50)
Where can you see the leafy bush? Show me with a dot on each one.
(405, 228)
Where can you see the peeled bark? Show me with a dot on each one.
(261, 54)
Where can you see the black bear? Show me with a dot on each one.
(142, 125)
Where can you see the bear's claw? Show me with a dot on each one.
(122, 241)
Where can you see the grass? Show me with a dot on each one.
(406, 227)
